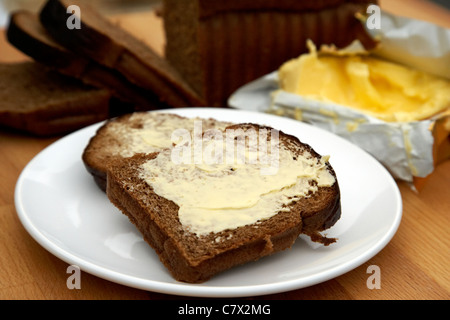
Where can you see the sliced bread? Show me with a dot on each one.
(183, 212)
(115, 48)
(40, 101)
(26, 33)
(139, 132)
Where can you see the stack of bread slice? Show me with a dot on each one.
(100, 55)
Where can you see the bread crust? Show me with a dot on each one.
(92, 154)
(194, 259)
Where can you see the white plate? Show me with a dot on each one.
(64, 211)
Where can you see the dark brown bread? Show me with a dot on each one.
(218, 46)
(27, 34)
(38, 100)
(113, 47)
(194, 259)
(116, 137)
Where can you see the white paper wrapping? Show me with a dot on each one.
(405, 149)
(418, 44)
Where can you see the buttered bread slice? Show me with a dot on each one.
(232, 197)
(138, 132)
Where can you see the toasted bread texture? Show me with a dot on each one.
(195, 258)
(115, 48)
(139, 132)
(43, 102)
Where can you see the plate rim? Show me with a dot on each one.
(197, 290)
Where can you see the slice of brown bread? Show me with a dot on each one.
(40, 101)
(139, 132)
(115, 48)
(26, 33)
(196, 258)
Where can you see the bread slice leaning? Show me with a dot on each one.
(115, 48)
(195, 258)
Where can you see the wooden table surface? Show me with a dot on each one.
(414, 265)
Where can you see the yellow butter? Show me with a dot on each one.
(382, 89)
(233, 191)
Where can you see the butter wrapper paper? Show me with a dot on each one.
(405, 149)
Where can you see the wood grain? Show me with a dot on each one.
(414, 265)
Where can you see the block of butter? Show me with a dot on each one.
(397, 112)
(382, 89)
